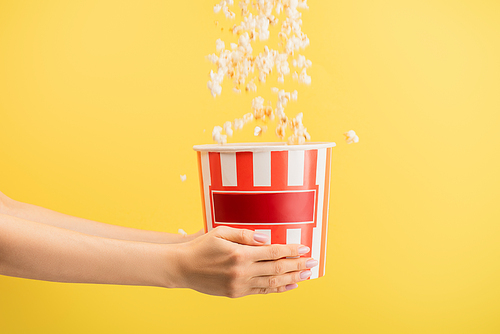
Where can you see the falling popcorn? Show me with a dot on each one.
(259, 130)
(223, 5)
(227, 129)
(217, 135)
(183, 177)
(351, 137)
(304, 78)
(251, 87)
(242, 66)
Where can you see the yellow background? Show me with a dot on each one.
(102, 101)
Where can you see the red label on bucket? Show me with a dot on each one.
(262, 208)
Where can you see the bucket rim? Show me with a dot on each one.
(261, 147)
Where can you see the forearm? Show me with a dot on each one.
(49, 217)
(39, 251)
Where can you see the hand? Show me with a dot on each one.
(235, 263)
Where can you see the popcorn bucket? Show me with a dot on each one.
(272, 188)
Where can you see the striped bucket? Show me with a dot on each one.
(272, 188)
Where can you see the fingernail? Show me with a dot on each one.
(291, 287)
(311, 263)
(260, 237)
(304, 250)
(305, 274)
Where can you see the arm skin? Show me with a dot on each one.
(38, 214)
(223, 262)
(44, 252)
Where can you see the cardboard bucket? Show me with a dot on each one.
(272, 188)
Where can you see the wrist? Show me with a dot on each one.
(171, 259)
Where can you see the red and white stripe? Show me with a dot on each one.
(296, 181)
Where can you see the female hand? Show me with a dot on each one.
(235, 262)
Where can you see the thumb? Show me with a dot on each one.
(241, 236)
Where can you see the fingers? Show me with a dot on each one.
(275, 252)
(241, 236)
(266, 284)
(289, 287)
(283, 266)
